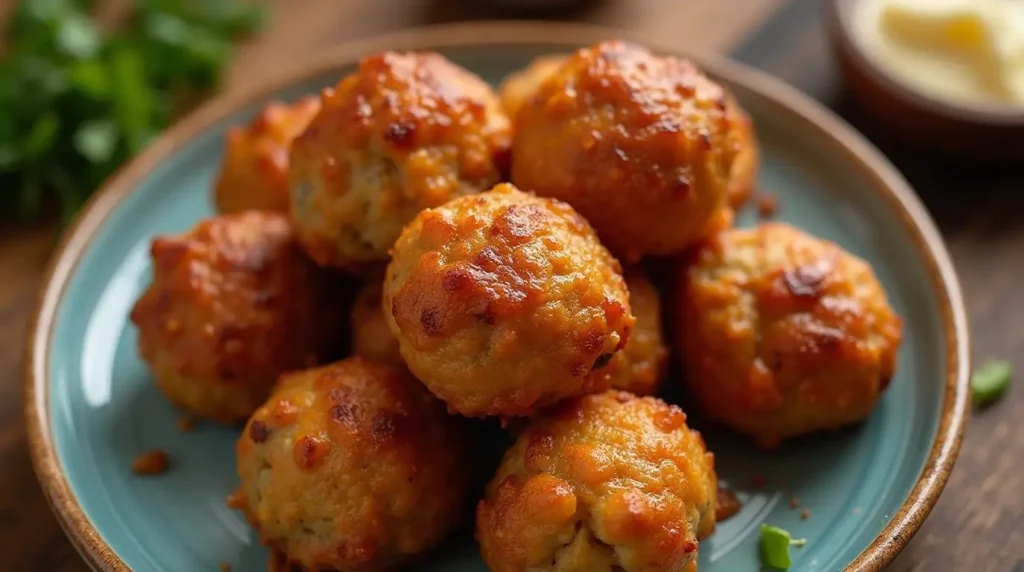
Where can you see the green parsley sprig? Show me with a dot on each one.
(77, 101)
(775, 543)
(990, 381)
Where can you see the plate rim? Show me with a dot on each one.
(888, 184)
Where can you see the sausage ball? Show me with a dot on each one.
(504, 302)
(523, 84)
(351, 466)
(254, 174)
(641, 364)
(371, 336)
(234, 302)
(606, 483)
(403, 133)
(641, 145)
(784, 334)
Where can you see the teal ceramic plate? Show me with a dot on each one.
(91, 407)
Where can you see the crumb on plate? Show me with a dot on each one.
(767, 205)
(727, 504)
(805, 514)
(236, 500)
(153, 462)
(186, 424)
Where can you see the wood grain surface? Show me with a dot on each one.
(978, 524)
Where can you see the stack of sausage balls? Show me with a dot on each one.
(477, 254)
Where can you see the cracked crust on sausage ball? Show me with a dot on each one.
(504, 302)
(254, 174)
(352, 466)
(606, 483)
(405, 132)
(639, 367)
(641, 145)
(784, 334)
(234, 302)
(371, 336)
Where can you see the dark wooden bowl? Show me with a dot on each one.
(961, 132)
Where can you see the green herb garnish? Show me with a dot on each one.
(77, 101)
(990, 382)
(775, 543)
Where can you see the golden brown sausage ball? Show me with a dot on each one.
(784, 333)
(523, 84)
(639, 367)
(641, 145)
(234, 302)
(504, 302)
(371, 336)
(254, 174)
(607, 483)
(405, 132)
(351, 466)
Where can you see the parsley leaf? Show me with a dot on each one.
(78, 102)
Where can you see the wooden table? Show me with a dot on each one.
(978, 524)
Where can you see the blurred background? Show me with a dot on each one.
(85, 84)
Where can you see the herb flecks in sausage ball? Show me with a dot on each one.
(371, 336)
(405, 132)
(504, 302)
(606, 483)
(643, 146)
(784, 334)
(351, 466)
(639, 367)
(254, 173)
(234, 302)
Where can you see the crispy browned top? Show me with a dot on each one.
(504, 301)
(235, 300)
(352, 466)
(606, 482)
(403, 101)
(642, 145)
(646, 110)
(406, 131)
(254, 174)
(486, 274)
